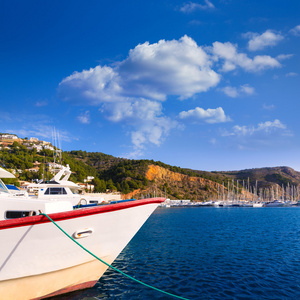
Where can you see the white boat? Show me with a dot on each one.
(37, 260)
(206, 203)
(275, 203)
(223, 203)
(258, 204)
(247, 204)
(218, 204)
(166, 203)
(59, 188)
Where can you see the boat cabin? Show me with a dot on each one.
(57, 195)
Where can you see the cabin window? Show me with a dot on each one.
(14, 214)
(55, 191)
(74, 191)
(94, 202)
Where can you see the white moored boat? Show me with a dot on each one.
(275, 203)
(60, 188)
(258, 204)
(37, 260)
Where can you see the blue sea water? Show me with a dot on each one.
(209, 253)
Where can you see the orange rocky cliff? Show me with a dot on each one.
(163, 182)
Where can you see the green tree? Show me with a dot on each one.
(100, 185)
(110, 185)
(125, 187)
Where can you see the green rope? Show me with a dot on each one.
(130, 277)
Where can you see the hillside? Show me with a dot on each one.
(138, 178)
(266, 177)
(163, 182)
(141, 178)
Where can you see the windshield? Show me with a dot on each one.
(74, 191)
(3, 188)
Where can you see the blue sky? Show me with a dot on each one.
(208, 84)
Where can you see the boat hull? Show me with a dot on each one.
(53, 283)
(258, 204)
(37, 260)
(274, 203)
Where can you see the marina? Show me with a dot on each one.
(220, 203)
(242, 194)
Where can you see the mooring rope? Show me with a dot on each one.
(107, 264)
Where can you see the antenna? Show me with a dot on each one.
(44, 169)
(59, 147)
(57, 150)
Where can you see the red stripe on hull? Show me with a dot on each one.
(77, 213)
(70, 289)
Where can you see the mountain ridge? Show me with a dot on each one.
(144, 177)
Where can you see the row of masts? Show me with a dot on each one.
(238, 190)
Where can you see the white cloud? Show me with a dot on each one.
(192, 6)
(230, 91)
(261, 41)
(84, 118)
(153, 71)
(295, 30)
(268, 107)
(41, 103)
(42, 132)
(33, 125)
(94, 86)
(154, 131)
(208, 116)
(284, 56)
(213, 141)
(234, 92)
(233, 59)
(262, 62)
(145, 118)
(265, 128)
(134, 108)
(247, 89)
(195, 23)
(174, 67)
(269, 126)
(132, 91)
(291, 74)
